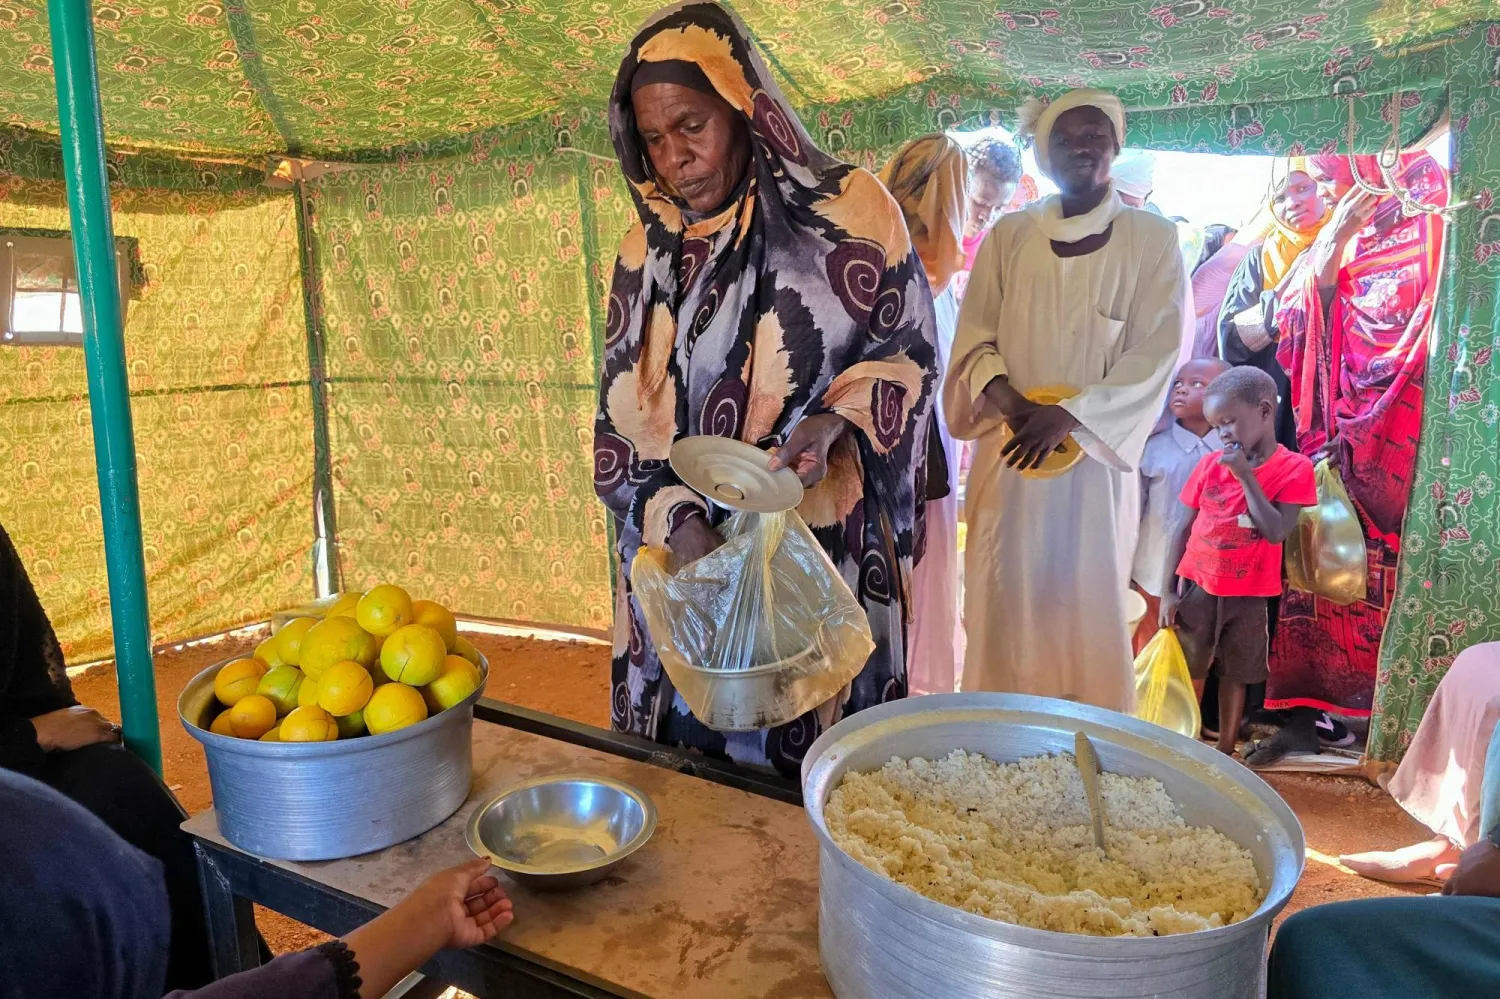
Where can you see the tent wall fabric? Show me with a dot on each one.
(461, 256)
(218, 374)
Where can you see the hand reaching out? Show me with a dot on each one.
(467, 902)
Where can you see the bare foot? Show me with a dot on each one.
(1418, 862)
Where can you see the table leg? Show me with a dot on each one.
(230, 918)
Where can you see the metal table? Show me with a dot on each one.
(737, 917)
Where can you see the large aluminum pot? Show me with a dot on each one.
(881, 940)
(327, 800)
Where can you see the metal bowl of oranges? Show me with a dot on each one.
(344, 758)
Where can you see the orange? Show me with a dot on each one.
(458, 680)
(464, 647)
(436, 617)
(289, 639)
(344, 688)
(281, 684)
(272, 736)
(351, 726)
(309, 725)
(344, 606)
(221, 724)
(394, 706)
(266, 652)
(413, 655)
(333, 641)
(252, 717)
(238, 680)
(383, 610)
(307, 693)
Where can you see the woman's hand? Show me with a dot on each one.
(693, 539)
(1041, 432)
(1353, 213)
(806, 449)
(463, 906)
(73, 728)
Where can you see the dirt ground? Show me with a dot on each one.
(571, 679)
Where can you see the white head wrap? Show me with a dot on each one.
(1037, 119)
(1134, 173)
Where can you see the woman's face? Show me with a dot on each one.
(987, 196)
(1331, 186)
(1298, 205)
(699, 145)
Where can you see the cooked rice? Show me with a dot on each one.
(1013, 842)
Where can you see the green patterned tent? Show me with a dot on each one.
(414, 332)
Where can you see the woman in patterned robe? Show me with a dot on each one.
(769, 293)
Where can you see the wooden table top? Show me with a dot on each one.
(722, 903)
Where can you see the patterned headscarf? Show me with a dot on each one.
(1283, 244)
(929, 178)
(802, 295)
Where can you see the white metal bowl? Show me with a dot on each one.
(882, 940)
(562, 831)
(327, 800)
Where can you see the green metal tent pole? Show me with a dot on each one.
(104, 356)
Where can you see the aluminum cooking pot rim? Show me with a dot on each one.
(1099, 723)
(310, 750)
(630, 846)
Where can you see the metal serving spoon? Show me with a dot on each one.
(1087, 759)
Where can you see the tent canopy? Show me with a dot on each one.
(350, 79)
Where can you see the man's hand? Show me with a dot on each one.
(1013, 406)
(73, 728)
(806, 449)
(1041, 431)
(693, 539)
(1233, 458)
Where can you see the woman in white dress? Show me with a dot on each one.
(929, 180)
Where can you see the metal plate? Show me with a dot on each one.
(734, 474)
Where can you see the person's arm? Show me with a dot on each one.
(461, 907)
(1171, 594)
(1274, 521)
(1352, 214)
(977, 394)
(1117, 413)
(1244, 323)
(636, 421)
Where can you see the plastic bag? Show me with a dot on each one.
(759, 631)
(1164, 692)
(1325, 554)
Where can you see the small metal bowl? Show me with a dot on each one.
(562, 832)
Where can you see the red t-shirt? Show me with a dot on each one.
(1226, 555)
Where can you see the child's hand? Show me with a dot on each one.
(465, 905)
(1169, 601)
(1233, 458)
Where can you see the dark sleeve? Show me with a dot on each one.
(1245, 292)
(326, 972)
(33, 680)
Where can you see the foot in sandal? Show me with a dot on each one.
(1427, 861)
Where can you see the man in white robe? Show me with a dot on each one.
(1076, 291)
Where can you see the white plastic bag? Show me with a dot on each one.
(758, 632)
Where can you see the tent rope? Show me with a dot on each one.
(1388, 159)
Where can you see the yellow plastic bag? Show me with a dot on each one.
(1164, 692)
(1325, 555)
(759, 631)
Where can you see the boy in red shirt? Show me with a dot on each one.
(1222, 568)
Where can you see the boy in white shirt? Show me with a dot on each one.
(1171, 455)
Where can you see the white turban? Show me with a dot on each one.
(1037, 119)
(1134, 173)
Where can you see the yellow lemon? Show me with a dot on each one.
(465, 648)
(333, 641)
(383, 610)
(344, 606)
(394, 706)
(281, 684)
(272, 736)
(344, 688)
(414, 655)
(237, 681)
(252, 717)
(221, 724)
(311, 724)
(267, 653)
(289, 639)
(458, 680)
(307, 694)
(351, 725)
(436, 617)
